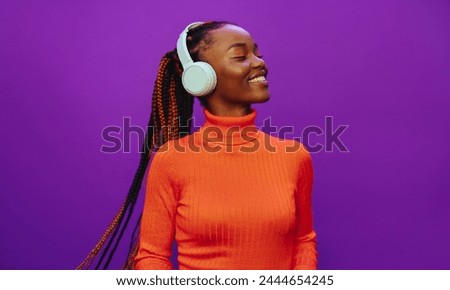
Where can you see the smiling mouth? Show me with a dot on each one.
(258, 79)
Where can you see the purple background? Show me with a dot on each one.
(71, 68)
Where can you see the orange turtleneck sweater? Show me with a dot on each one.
(233, 197)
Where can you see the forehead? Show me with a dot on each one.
(228, 35)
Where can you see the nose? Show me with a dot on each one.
(258, 62)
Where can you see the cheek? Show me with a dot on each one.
(233, 76)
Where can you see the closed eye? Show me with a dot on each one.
(243, 57)
(240, 58)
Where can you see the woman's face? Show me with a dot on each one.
(241, 72)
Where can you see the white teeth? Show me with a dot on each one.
(258, 79)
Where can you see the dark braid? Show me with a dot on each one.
(170, 118)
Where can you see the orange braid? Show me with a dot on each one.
(173, 112)
(88, 261)
(158, 97)
(129, 264)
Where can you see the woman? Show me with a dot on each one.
(230, 195)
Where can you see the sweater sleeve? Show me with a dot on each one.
(158, 217)
(305, 239)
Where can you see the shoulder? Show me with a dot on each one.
(172, 147)
(292, 147)
(173, 153)
(163, 155)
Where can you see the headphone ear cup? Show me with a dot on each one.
(199, 79)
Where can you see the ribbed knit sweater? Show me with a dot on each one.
(233, 197)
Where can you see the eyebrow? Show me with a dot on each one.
(240, 44)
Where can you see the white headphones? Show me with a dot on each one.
(199, 78)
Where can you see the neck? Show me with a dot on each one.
(229, 130)
(234, 112)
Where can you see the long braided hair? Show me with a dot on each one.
(170, 118)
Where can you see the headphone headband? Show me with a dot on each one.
(182, 50)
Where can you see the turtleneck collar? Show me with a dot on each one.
(229, 130)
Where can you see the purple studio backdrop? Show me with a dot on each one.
(378, 71)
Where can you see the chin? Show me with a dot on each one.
(263, 98)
